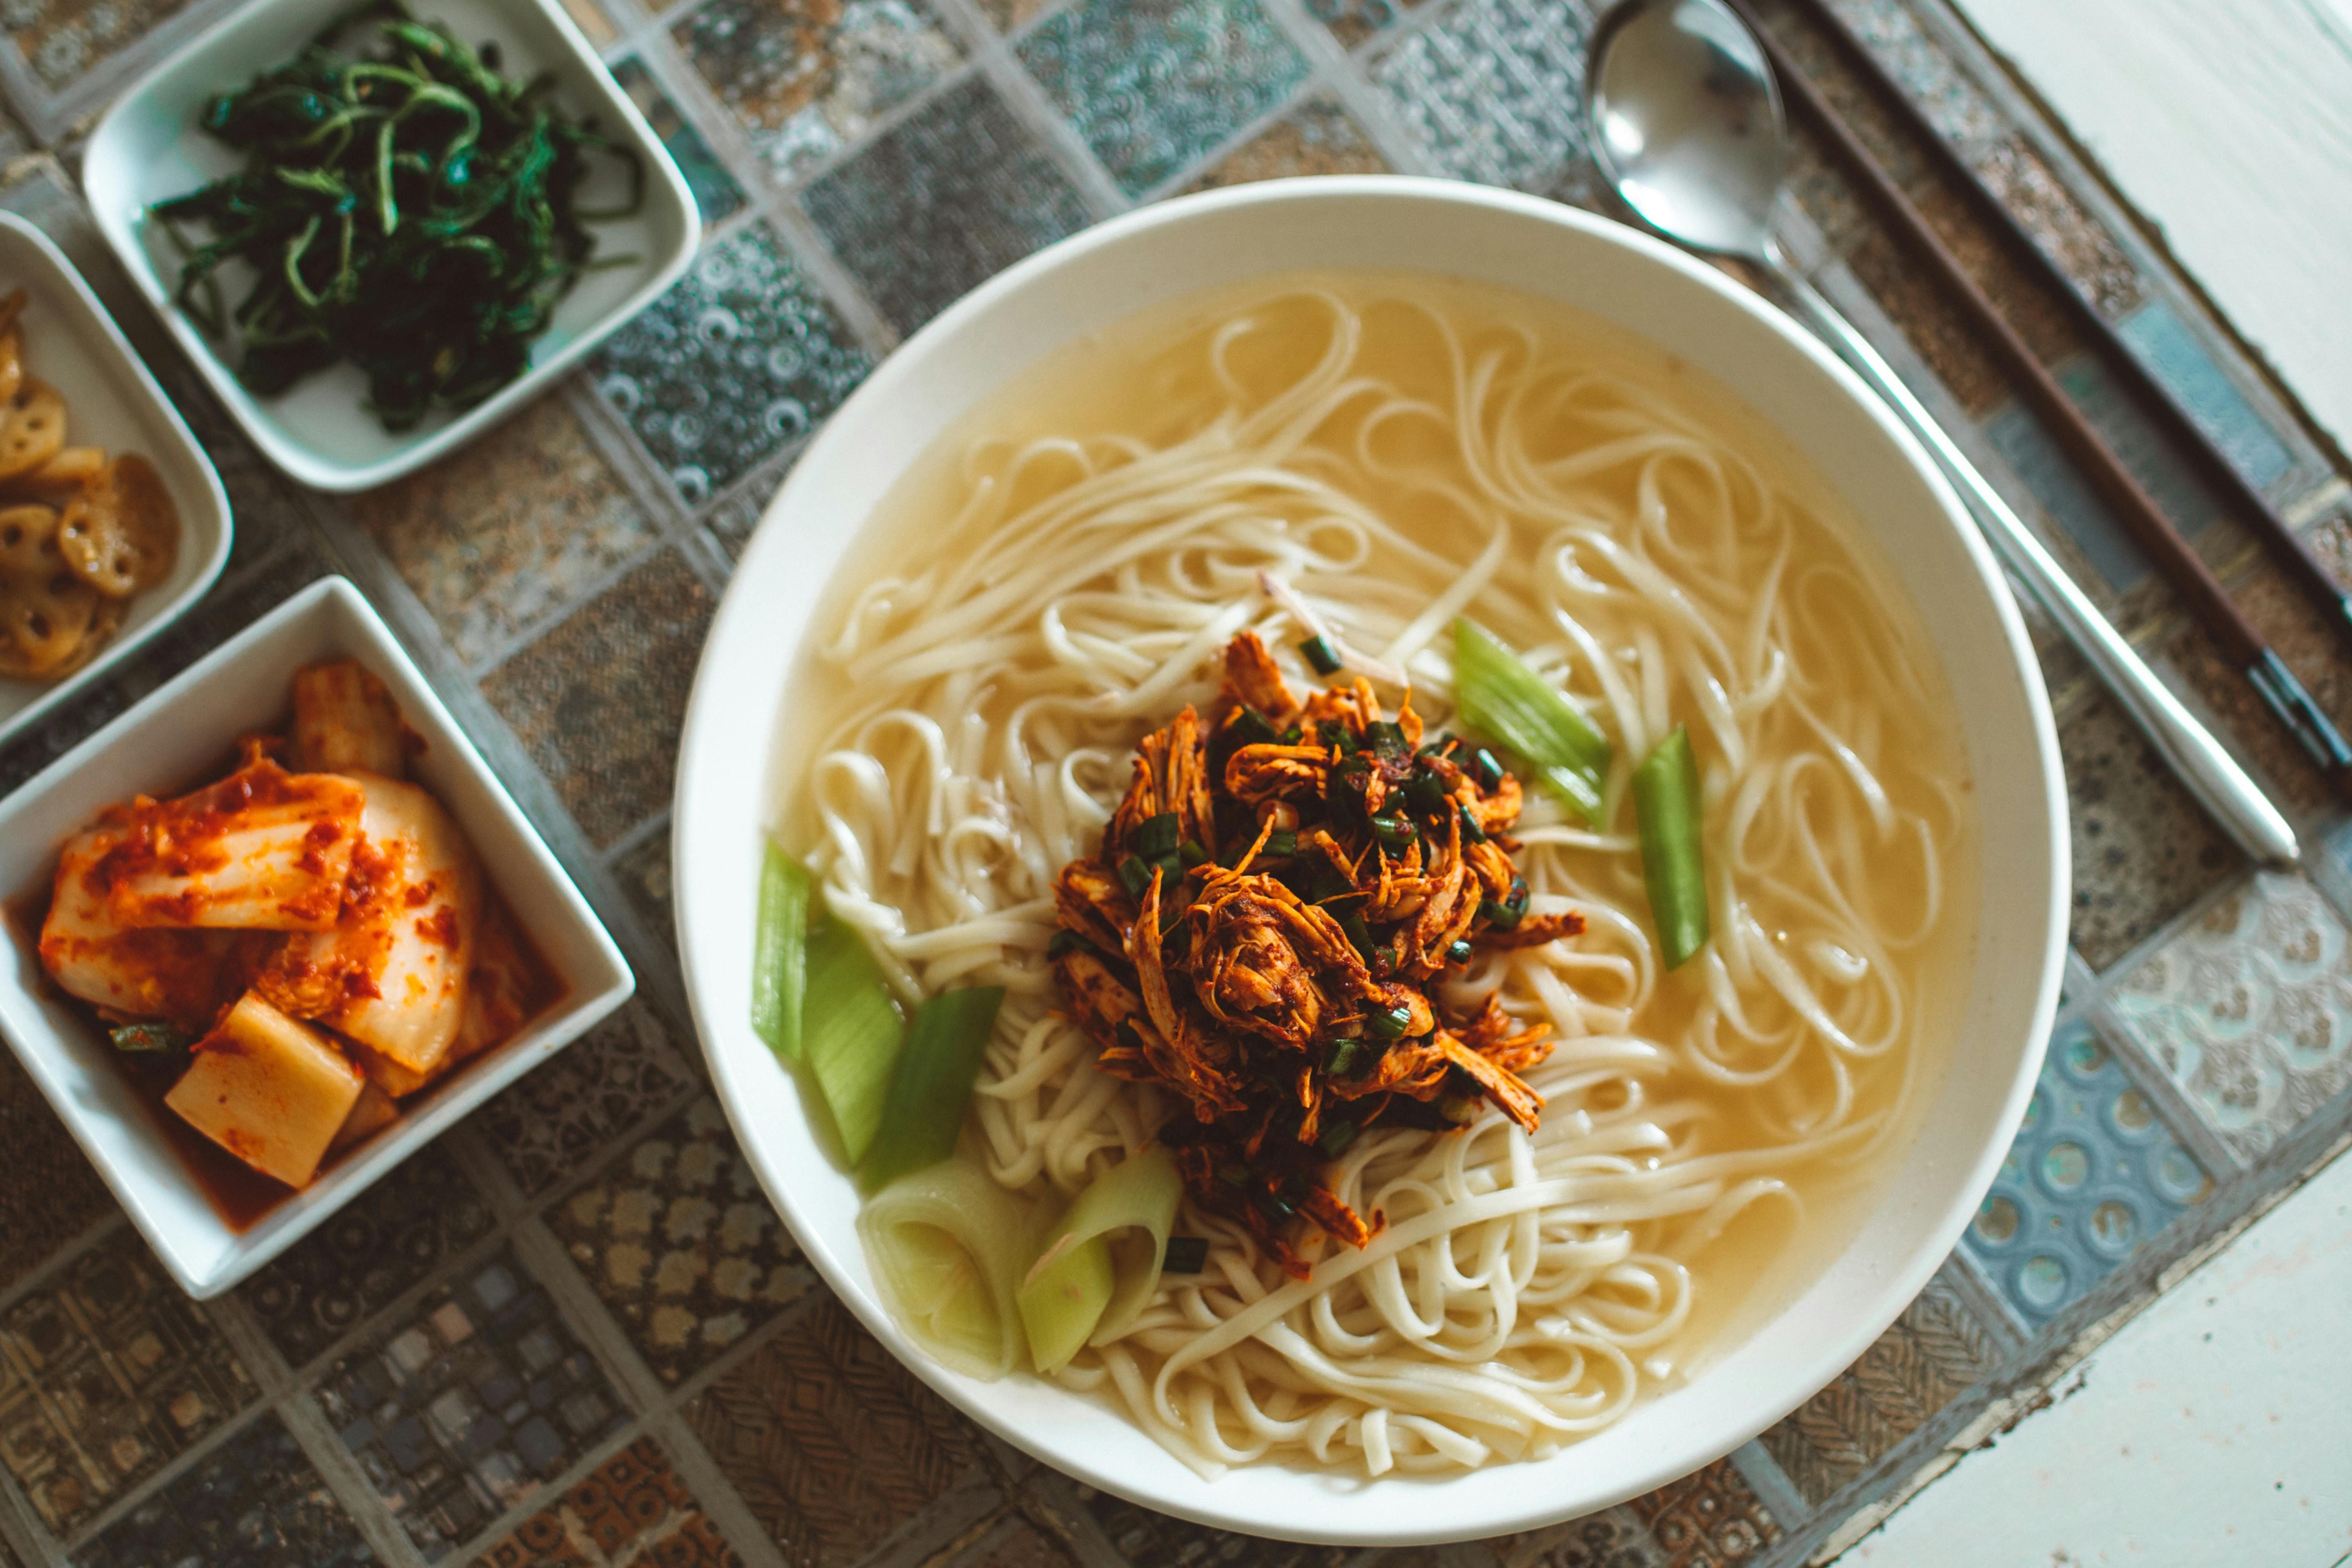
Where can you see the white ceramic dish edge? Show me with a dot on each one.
(162, 743)
(723, 801)
(205, 529)
(110, 184)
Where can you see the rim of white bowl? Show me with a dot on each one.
(711, 743)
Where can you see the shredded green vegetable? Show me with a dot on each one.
(931, 1085)
(1099, 1267)
(409, 209)
(779, 954)
(850, 1033)
(1505, 699)
(1666, 802)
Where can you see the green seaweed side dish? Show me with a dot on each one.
(408, 208)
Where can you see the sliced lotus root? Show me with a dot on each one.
(122, 534)
(32, 427)
(28, 542)
(73, 469)
(44, 621)
(104, 622)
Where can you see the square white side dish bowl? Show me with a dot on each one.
(148, 148)
(112, 402)
(167, 743)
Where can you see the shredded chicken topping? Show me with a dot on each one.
(1262, 929)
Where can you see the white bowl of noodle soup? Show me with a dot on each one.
(1786, 1313)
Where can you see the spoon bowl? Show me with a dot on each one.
(1687, 123)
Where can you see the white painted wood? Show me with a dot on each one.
(2228, 122)
(2215, 1428)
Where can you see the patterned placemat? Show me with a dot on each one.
(573, 1332)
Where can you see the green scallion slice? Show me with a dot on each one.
(1666, 806)
(932, 1084)
(780, 953)
(1529, 716)
(850, 1033)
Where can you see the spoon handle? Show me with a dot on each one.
(2196, 758)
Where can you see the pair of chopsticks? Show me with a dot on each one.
(2173, 554)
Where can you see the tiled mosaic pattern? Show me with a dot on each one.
(52, 1195)
(575, 1335)
(107, 1373)
(2093, 1176)
(2249, 1010)
(495, 538)
(1319, 137)
(599, 700)
(62, 39)
(957, 191)
(742, 356)
(1937, 1349)
(628, 1067)
(1707, 1519)
(1140, 1535)
(1491, 91)
(256, 1501)
(462, 1408)
(716, 194)
(680, 1242)
(632, 1511)
(2142, 850)
(831, 1443)
(1153, 84)
(807, 78)
(393, 1237)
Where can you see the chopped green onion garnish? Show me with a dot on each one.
(1190, 854)
(1485, 768)
(1186, 1255)
(150, 1040)
(1393, 832)
(1388, 1023)
(1460, 953)
(1281, 844)
(1336, 1138)
(1159, 835)
(1500, 916)
(1517, 707)
(1137, 874)
(932, 1084)
(1471, 832)
(1064, 941)
(1319, 653)
(1340, 1061)
(1293, 736)
(1425, 793)
(1387, 741)
(850, 1033)
(1666, 806)
(1332, 732)
(1278, 1205)
(1250, 728)
(1359, 933)
(780, 953)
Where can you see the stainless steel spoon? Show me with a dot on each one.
(1688, 127)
